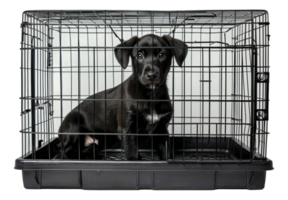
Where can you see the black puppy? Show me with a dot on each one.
(147, 82)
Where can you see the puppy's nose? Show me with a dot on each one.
(152, 75)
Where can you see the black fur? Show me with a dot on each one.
(124, 117)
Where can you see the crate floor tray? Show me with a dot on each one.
(196, 168)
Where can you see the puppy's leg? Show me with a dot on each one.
(73, 146)
(130, 147)
(162, 143)
(130, 141)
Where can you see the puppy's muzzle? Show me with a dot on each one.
(151, 76)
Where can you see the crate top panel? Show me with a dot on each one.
(144, 18)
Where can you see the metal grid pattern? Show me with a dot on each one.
(221, 91)
(147, 156)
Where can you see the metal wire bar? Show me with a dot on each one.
(141, 134)
(140, 100)
(33, 120)
(148, 47)
(105, 87)
(184, 92)
(79, 86)
(84, 95)
(94, 103)
(137, 85)
(23, 138)
(158, 25)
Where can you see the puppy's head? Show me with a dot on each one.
(152, 57)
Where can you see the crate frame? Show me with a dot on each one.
(257, 163)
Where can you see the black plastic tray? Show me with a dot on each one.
(204, 168)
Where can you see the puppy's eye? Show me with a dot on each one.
(140, 56)
(162, 56)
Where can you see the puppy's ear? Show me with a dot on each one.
(122, 55)
(180, 49)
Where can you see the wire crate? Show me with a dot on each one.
(216, 137)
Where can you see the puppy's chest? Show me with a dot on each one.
(152, 117)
